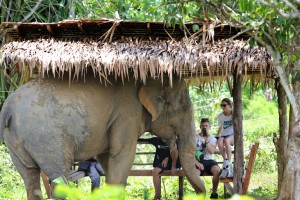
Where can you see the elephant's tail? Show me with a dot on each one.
(5, 117)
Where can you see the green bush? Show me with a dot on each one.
(11, 183)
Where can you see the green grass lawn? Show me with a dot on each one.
(262, 186)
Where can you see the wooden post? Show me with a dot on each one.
(180, 185)
(238, 133)
(46, 184)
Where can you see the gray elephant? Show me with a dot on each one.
(48, 124)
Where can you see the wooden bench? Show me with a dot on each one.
(180, 173)
(248, 170)
(148, 172)
(76, 175)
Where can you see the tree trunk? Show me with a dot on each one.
(281, 145)
(290, 183)
(238, 134)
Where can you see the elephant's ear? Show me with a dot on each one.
(151, 100)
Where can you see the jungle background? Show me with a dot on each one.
(259, 107)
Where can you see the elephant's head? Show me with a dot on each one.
(172, 117)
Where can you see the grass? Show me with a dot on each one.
(263, 186)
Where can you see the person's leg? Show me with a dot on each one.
(221, 147)
(94, 176)
(99, 168)
(174, 157)
(212, 167)
(157, 182)
(228, 142)
(215, 170)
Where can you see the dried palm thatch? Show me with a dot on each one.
(145, 57)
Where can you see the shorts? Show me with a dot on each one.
(224, 136)
(208, 164)
(157, 163)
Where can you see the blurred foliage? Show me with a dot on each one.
(11, 183)
(108, 192)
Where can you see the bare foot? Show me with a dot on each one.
(173, 170)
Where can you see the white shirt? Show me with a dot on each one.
(211, 140)
(226, 122)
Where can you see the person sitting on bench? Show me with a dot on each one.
(93, 169)
(164, 160)
(205, 146)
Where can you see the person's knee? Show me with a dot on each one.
(95, 178)
(156, 171)
(220, 142)
(227, 141)
(215, 170)
(94, 175)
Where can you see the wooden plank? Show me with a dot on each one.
(142, 164)
(253, 153)
(76, 175)
(144, 153)
(180, 185)
(148, 172)
(226, 180)
(46, 184)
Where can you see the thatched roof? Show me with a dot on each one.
(113, 50)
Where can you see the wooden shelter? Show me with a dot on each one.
(197, 52)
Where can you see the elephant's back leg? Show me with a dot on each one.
(28, 169)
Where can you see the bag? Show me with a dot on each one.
(199, 155)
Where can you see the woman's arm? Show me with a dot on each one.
(220, 131)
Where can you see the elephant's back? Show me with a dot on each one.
(75, 111)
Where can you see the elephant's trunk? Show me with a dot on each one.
(186, 148)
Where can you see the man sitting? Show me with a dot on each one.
(205, 147)
(164, 160)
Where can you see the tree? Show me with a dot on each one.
(274, 25)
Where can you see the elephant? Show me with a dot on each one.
(47, 124)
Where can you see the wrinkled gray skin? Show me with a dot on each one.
(47, 124)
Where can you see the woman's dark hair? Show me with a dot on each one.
(228, 101)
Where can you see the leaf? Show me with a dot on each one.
(251, 42)
(195, 27)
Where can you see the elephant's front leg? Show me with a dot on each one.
(122, 147)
